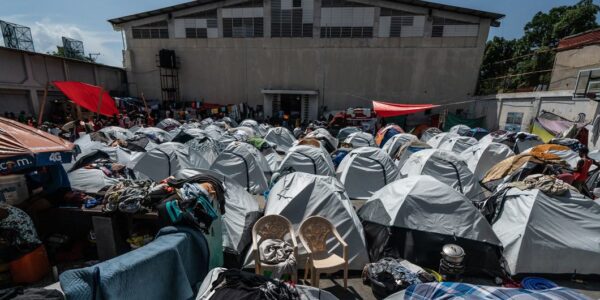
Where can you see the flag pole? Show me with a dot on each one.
(43, 104)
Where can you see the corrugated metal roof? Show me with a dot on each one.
(579, 40)
(479, 13)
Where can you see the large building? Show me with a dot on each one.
(300, 56)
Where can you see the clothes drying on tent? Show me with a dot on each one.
(240, 162)
(563, 152)
(385, 133)
(327, 140)
(394, 144)
(360, 139)
(446, 167)
(298, 196)
(307, 159)
(166, 159)
(96, 171)
(429, 133)
(439, 139)
(457, 144)
(481, 157)
(549, 234)
(241, 212)
(365, 170)
(157, 135)
(168, 124)
(413, 218)
(281, 137)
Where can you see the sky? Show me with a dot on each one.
(86, 20)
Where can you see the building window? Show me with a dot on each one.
(292, 18)
(197, 26)
(513, 121)
(344, 19)
(397, 23)
(156, 30)
(243, 20)
(444, 27)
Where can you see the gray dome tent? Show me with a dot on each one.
(413, 218)
(308, 159)
(168, 124)
(166, 159)
(116, 133)
(549, 234)
(281, 137)
(429, 133)
(365, 170)
(438, 139)
(298, 196)
(482, 157)
(457, 144)
(241, 163)
(360, 139)
(157, 135)
(327, 140)
(460, 129)
(396, 142)
(261, 131)
(446, 167)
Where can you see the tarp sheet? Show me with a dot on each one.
(540, 131)
(386, 109)
(88, 96)
(452, 120)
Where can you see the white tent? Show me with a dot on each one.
(240, 162)
(327, 140)
(407, 150)
(482, 157)
(166, 159)
(457, 144)
(429, 133)
(365, 170)
(446, 167)
(90, 180)
(413, 218)
(281, 137)
(206, 147)
(396, 142)
(460, 129)
(360, 139)
(549, 234)
(438, 139)
(308, 159)
(298, 196)
(261, 131)
(115, 132)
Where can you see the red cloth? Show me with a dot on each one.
(386, 109)
(87, 96)
(582, 175)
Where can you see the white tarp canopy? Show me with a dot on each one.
(298, 196)
(549, 234)
(308, 159)
(365, 170)
(446, 167)
(240, 162)
(360, 139)
(438, 139)
(457, 144)
(281, 137)
(396, 142)
(482, 157)
(166, 159)
(433, 214)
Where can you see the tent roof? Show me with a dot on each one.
(386, 109)
(19, 139)
(87, 96)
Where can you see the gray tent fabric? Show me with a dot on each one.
(308, 159)
(482, 157)
(117, 133)
(394, 144)
(281, 137)
(85, 145)
(241, 209)
(89, 180)
(273, 159)
(166, 159)
(459, 129)
(549, 235)
(156, 134)
(346, 131)
(258, 130)
(457, 144)
(298, 196)
(429, 133)
(168, 124)
(425, 204)
(569, 156)
(240, 162)
(329, 142)
(214, 132)
(407, 150)
(446, 167)
(439, 139)
(360, 139)
(365, 170)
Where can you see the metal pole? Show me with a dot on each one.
(43, 105)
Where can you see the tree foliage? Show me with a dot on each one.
(524, 63)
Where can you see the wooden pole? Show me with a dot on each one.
(43, 104)
(145, 104)
(99, 101)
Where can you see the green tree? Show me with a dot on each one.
(524, 62)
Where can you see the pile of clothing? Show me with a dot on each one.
(548, 184)
(235, 284)
(280, 254)
(109, 168)
(390, 275)
(129, 196)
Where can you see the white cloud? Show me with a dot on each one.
(47, 35)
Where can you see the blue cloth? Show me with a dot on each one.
(170, 267)
(537, 283)
(448, 290)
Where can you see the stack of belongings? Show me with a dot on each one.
(390, 275)
(96, 171)
(130, 196)
(573, 144)
(228, 284)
